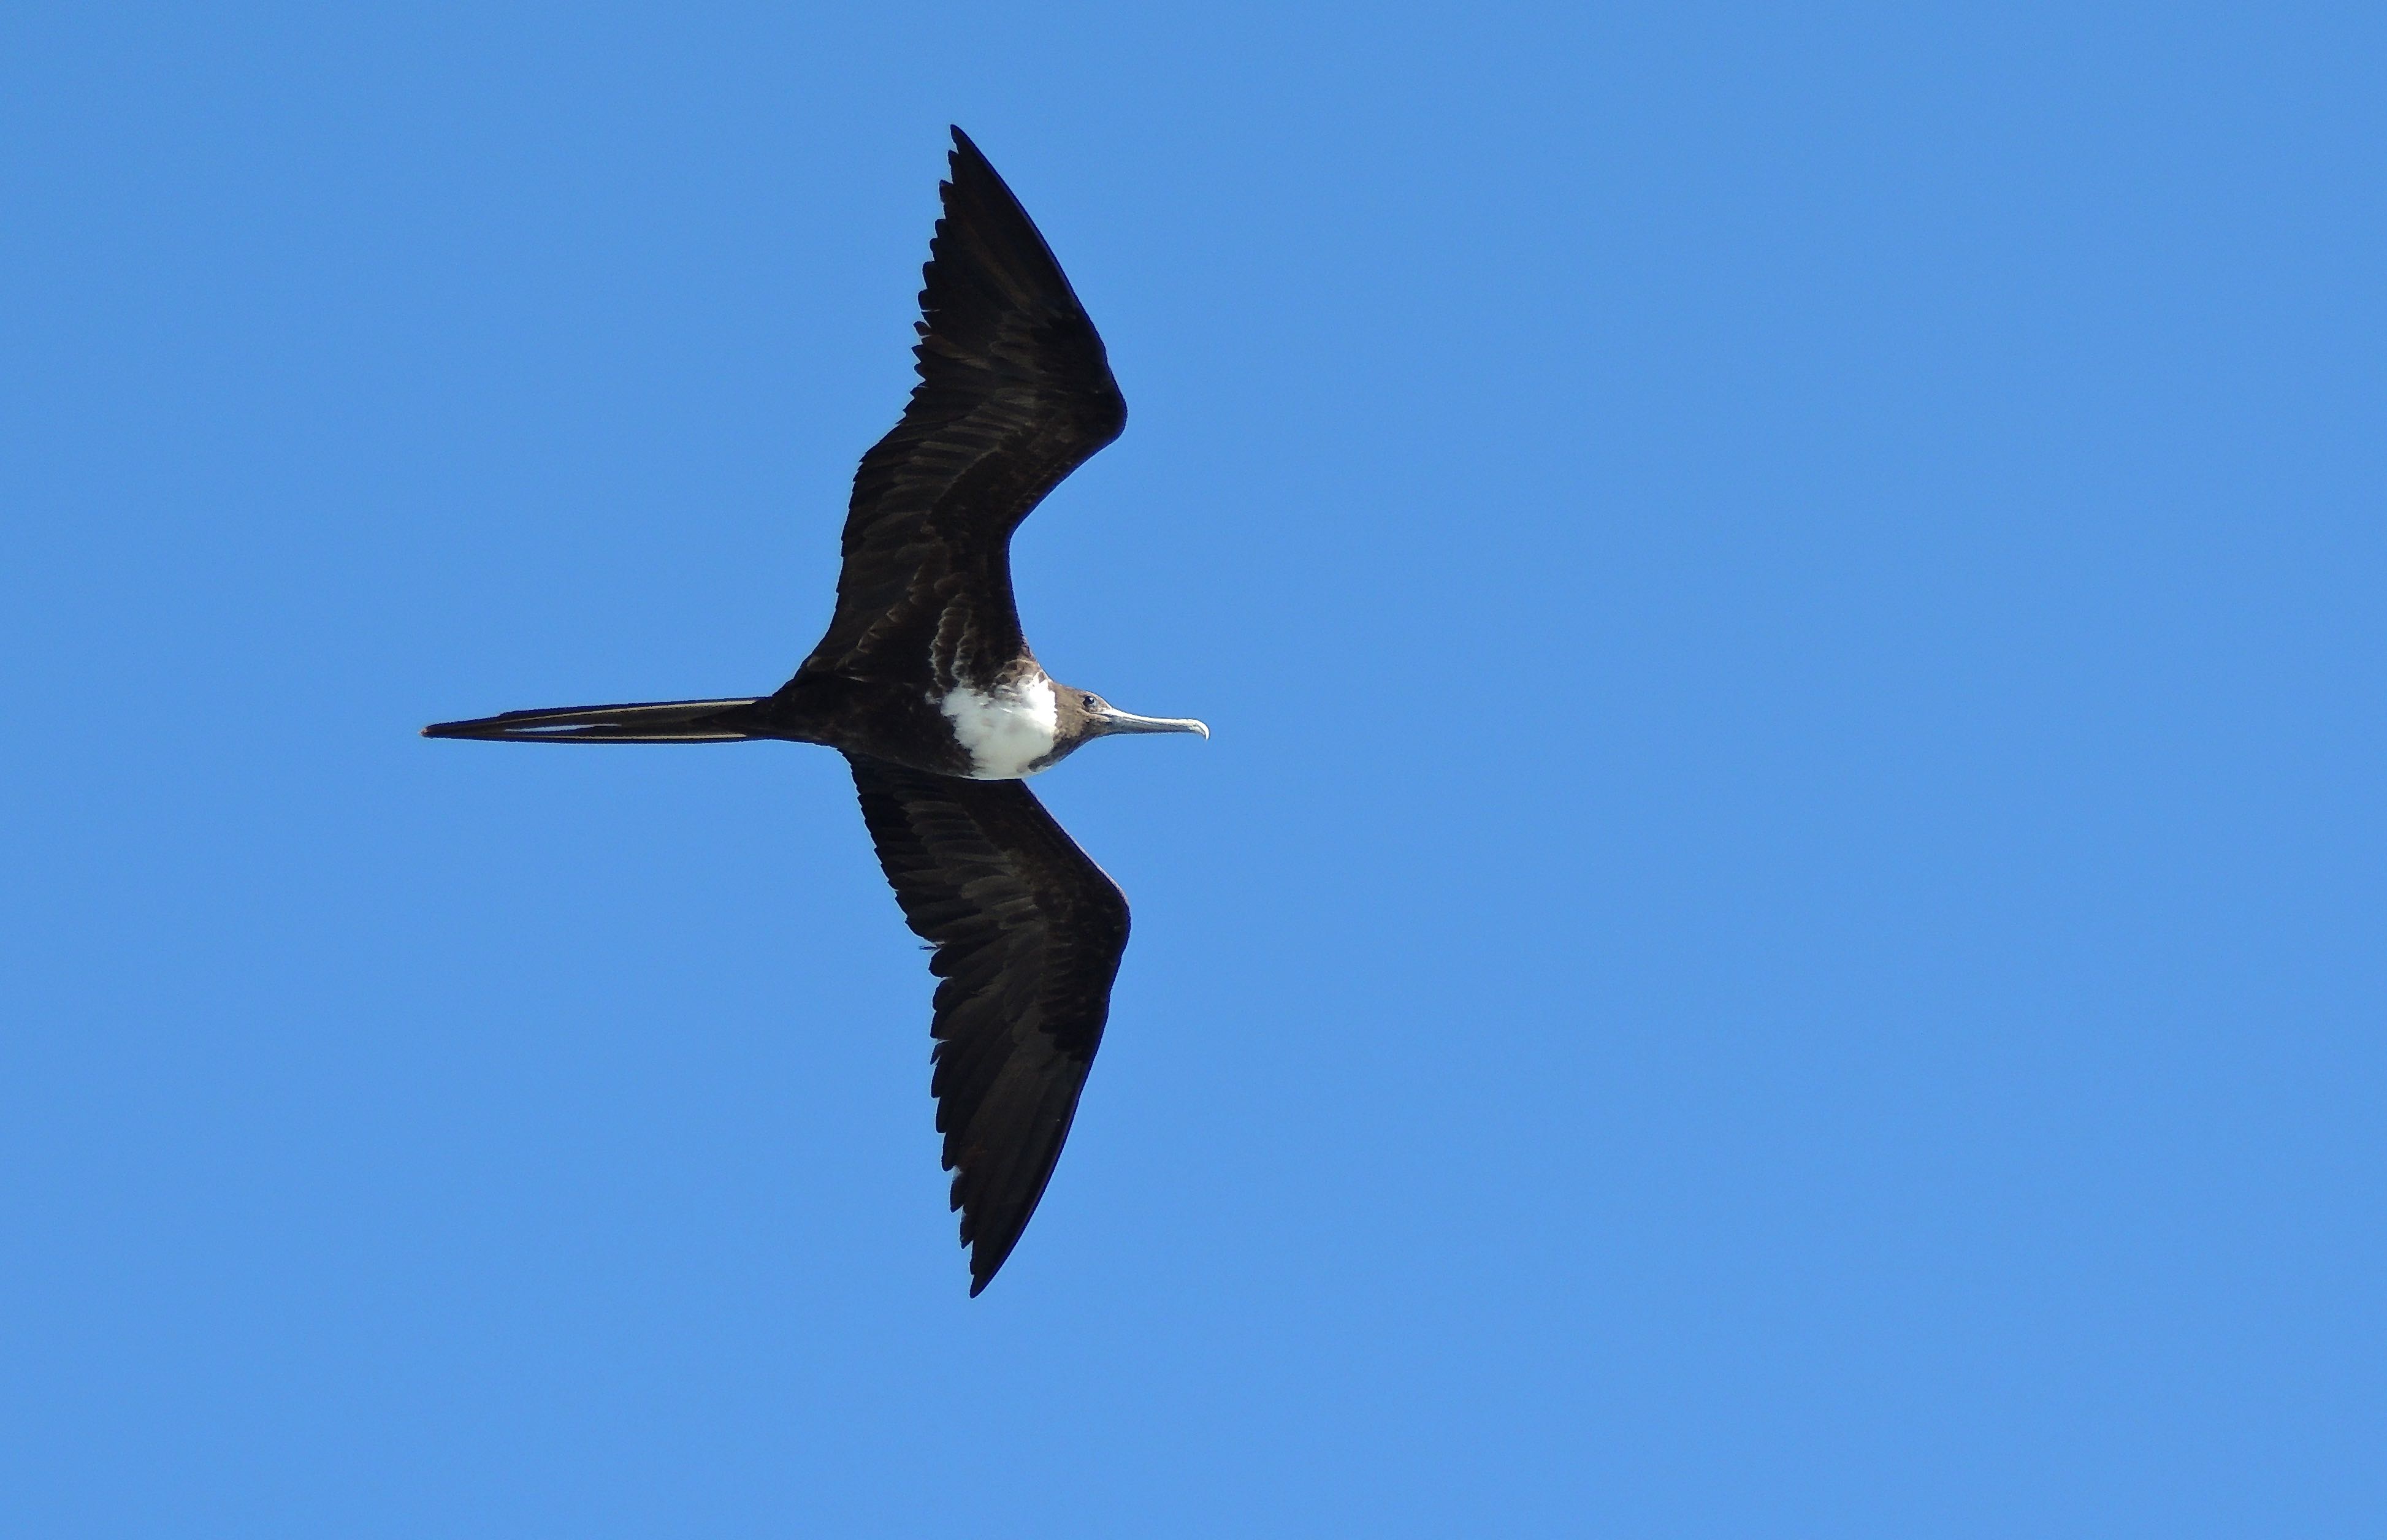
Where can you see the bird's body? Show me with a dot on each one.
(926, 683)
(1008, 732)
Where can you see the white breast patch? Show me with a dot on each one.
(1004, 731)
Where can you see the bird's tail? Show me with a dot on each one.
(653, 722)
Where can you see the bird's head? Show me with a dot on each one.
(1081, 717)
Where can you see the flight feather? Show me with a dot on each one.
(1014, 392)
(1029, 933)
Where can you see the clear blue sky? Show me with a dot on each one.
(1784, 931)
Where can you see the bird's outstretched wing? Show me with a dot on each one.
(1028, 933)
(1014, 392)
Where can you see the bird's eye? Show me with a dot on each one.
(1094, 702)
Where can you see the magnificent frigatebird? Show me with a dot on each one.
(926, 684)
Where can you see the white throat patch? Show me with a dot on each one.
(1006, 731)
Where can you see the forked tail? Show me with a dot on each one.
(652, 722)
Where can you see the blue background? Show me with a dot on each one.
(1781, 934)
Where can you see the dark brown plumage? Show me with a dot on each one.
(924, 681)
(1016, 392)
(1029, 933)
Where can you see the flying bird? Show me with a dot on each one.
(926, 685)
